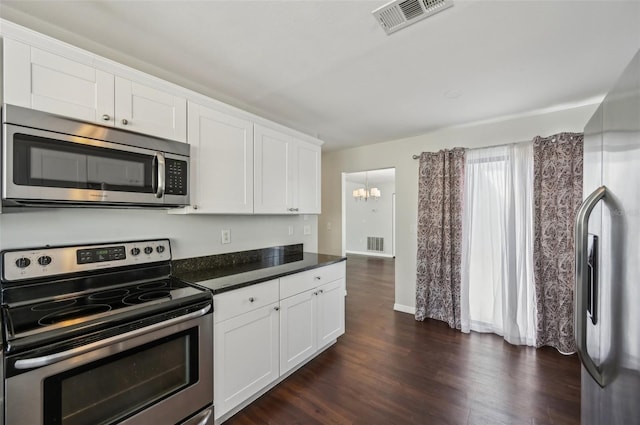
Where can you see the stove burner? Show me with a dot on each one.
(153, 285)
(80, 311)
(54, 305)
(145, 297)
(110, 295)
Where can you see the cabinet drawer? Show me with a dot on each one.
(239, 301)
(300, 282)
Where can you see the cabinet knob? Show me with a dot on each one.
(106, 117)
(276, 308)
(125, 121)
(251, 299)
(317, 278)
(315, 293)
(321, 291)
(195, 207)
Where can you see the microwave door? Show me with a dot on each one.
(41, 166)
(112, 174)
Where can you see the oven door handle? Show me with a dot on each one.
(63, 355)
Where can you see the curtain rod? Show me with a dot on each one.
(490, 146)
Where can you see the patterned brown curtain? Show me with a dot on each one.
(441, 178)
(557, 195)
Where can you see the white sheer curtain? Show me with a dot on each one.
(497, 288)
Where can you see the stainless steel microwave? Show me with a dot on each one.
(53, 160)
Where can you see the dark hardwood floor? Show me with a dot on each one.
(390, 369)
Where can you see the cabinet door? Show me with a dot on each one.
(47, 82)
(308, 176)
(151, 111)
(273, 184)
(221, 162)
(245, 356)
(297, 329)
(330, 311)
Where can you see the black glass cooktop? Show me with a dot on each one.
(25, 319)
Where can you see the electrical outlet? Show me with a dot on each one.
(225, 236)
(290, 230)
(307, 230)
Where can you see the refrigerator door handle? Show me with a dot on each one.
(582, 282)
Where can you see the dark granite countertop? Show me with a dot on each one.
(226, 272)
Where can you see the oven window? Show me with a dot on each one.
(55, 163)
(116, 387)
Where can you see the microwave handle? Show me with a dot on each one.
(160, 174)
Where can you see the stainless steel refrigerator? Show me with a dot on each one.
(607, 322)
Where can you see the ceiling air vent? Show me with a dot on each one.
(402, 13)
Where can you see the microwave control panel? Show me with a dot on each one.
(176, 177)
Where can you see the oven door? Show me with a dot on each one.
(44, 166)
(159, 374)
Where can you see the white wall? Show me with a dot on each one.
(369, 218)
(190, 236)
(398, 154)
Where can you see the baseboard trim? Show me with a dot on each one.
(404, 308)
(370, 254)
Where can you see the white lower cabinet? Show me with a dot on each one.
(309, 321)
(245, 356)
(297, 329)
(263, 332)
(246, 343)
(330, 312)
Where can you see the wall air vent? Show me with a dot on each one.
(402, 13)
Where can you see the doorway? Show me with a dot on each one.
(368, 213)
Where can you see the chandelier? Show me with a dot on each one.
(364, 193)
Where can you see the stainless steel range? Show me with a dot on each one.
(103, 334)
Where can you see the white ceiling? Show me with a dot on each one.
(326, 67)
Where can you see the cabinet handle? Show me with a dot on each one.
(276, 308)
(106, 117)
(293, 209)
(317, 277)
(125, 121)
(251, 299)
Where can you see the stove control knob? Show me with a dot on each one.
(23, 262)
(148, 250)
(45, 260)
(135, 251)
(160, 249)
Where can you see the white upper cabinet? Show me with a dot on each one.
(287, 174)
(41, 80)
(221, 162)
(148, 110)
(308, 174)
(34, 78)
(273, 187)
